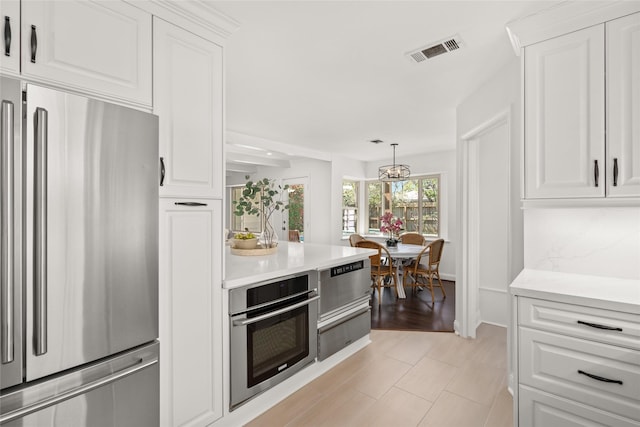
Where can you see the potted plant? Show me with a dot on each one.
(262, 199)
(390, 224)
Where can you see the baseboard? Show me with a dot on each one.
(450, 277)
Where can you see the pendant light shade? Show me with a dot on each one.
(393, 172)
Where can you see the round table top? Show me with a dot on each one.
(405, 250)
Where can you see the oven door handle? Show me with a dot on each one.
(246, 322)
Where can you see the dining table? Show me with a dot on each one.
(404, 252)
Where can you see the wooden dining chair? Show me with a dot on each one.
(423, 273)
(382, 273)
(412, 238)
(355, 238)
(294, 236)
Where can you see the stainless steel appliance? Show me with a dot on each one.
(79, 260)
(273, 332)
(345, 314)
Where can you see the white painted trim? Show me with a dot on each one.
(603, 202)
(564, 18)
(493, 323)
(501, 291)
(467, 288)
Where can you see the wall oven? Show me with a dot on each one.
(272, 332)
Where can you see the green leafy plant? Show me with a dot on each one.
(262, 199)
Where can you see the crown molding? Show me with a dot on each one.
(565, 17)
(194, 15)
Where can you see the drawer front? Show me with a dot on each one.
(570, 367)
(539, 409)
(586, 322)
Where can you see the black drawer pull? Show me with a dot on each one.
(190, 204)
(596, 172)
(34, 43)
(599, 378)
(7, 36)
(615, 172)
(595, 325)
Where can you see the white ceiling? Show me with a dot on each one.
(332, 75)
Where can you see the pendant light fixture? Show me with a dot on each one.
(393, 172)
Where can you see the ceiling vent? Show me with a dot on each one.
(435, 49)
(377, 141)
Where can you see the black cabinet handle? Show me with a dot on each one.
(615, 172)
(190, 204)
(599, 378)
(596, 172)
(7, 36)
(34, 43)
(595, 325)
(162, 171)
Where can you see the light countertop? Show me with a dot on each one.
(594, 291)
(290, 258)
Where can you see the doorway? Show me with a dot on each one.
(294, 218)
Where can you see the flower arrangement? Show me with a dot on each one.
(390, 224)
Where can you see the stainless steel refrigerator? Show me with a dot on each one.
(79, 261)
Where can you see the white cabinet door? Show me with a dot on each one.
(97, 47)
(10, 55)
(190, 312)
(565, 116)
(188, 100)
(623, 102)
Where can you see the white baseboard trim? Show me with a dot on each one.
(447, 276)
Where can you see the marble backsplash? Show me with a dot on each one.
(594, 241)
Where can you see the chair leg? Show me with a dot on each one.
(433, 299)
(444, 294)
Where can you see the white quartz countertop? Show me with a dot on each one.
(594, 291)
(290, 258)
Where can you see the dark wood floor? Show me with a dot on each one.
(416, 312)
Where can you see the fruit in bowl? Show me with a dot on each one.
(245, 241)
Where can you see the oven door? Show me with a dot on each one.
(271, 344)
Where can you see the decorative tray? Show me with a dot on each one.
(254, 252)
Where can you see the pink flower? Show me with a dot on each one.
(389, 224)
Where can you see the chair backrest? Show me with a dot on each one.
(355, 238)
(412, 238)
(435, 251)
(377, 266)
(294, 236)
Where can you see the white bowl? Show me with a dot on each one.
(245, 243)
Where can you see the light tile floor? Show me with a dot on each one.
(408, 379)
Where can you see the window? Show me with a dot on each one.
(349, 207)
(415, 201)
(245, 222)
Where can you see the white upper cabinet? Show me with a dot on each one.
(188, 100)
(101, 48)
(623, 105)
(573, 85)
(10, 55)
(564, 96)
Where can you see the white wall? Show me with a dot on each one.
(498, 96)
(595, 241)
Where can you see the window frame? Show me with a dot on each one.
(232, 216)
(356, 209)
(387, 203)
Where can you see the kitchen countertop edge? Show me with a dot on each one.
(592, 291)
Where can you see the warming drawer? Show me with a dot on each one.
(343, 331)
(343, 285)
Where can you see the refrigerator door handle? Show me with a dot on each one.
(6, 245)
(40, 294)
(54, 400)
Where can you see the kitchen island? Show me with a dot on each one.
(290, 282)
(291, 258)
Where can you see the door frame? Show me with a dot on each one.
(468, 259)
(283, 235)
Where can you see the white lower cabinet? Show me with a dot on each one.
(577, 365)
(190, 311)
